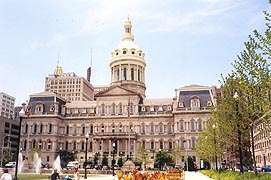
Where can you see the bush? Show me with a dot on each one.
(231, 175)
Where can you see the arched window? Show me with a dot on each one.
(161, 145)
(132, 74)
(40, 144)
(113, 106)
(125, 73)
(193, 142)
(143, 144)
(195, 103)
(200, 125)
(131, 108)
(41, 128)
(67, 129)
(160, 128)
(50, 128)
(39, 108)
(91, 129)
(120, 108)
(24, 144)
(74, 145)
(34, 144)
(67, 145)
(152, 145)
(49, 145)
(26, 128)
(143, 128)
(170, 128)
(192, 123)
(118, 74)
(152, 128)
(181, 126)
(138, 75)
(120, 128)
(113, 128)
(35, 128)
(82, 145)
(170, 145)
(83, 130)
(103, 109)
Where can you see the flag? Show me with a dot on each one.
(128, 108)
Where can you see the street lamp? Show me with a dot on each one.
(129, 142)
(113, 161)
(21, 115)
(87, 136)
(214, 127)
(235, 96)
(60, 152)
(160, 159)
(186, 154)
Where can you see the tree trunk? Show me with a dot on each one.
(253, 150)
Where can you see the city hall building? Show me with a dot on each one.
(118, 113)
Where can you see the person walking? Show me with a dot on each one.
(195, 167)
(76, 174)
(55, 175)
(6, 175)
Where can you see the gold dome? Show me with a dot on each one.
(58, 70)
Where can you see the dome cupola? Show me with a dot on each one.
(128, 63)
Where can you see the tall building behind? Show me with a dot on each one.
(6, 105)
(69, 86)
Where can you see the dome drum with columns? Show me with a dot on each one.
(128, 64)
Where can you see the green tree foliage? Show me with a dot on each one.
(163, 158)
(251, 79)
(65, 157)
(104, 161)
(177, 152)
(142, 155)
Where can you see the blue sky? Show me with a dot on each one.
(185, 41)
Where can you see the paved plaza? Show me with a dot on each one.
(188, 176)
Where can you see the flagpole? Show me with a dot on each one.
(129, 129)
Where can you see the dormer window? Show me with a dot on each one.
(195, 102)
(181, 104)
(39, 108)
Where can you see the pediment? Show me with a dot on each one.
(116, 91)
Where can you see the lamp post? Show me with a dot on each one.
(214, 127)
(113, 161)
(235, 96)
(21, 115)
(86, 154)
(129, 142)
(160, 159)
(186, 154)
(60, 152)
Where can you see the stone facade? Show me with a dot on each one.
(119, 114)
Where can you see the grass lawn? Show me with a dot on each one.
(32, 176)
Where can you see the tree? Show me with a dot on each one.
(177, 152)
(142, 155)
(163, 158)
(105, 160)
(66, 156)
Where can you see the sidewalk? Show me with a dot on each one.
(188, 176)
(195, 176)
